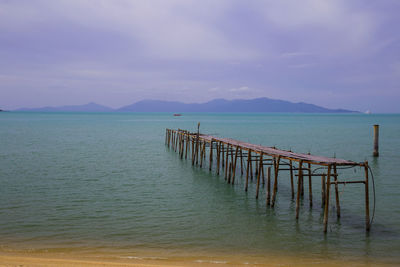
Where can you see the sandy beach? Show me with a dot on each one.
(46, 258)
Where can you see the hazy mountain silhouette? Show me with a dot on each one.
(221, 105)
(90, 107)
(217, 105)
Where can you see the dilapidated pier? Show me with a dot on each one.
(233, 156)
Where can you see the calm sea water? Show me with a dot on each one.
(108, 181)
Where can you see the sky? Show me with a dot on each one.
(333, 53)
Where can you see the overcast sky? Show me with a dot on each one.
(333, 53)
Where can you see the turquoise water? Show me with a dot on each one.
(108, 181)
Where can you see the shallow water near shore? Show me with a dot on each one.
(108, 182)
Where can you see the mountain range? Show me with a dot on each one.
(217, 105)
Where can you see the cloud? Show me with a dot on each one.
(296, 54)
(173, 29)
(240, 89)
(300, 66)
(177, 49)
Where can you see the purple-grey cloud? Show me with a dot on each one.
(333, 53)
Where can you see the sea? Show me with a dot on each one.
(108, 182)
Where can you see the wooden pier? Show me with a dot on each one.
(231, 155)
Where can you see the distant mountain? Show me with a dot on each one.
(217, 105)
(90, 107)
(221, 105)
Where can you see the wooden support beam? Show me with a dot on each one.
(336, 191)
(226, 163)
(299, 181)
(229, 171)
(218, 156)
(183, 146)
(211, 155)
(326, 210)
(309, 185)
(241, 162)
(193, 152)
(202, 151)
(323, 187)
(367, 221)
(256, 169)
(248, 170)
(258, 176)
(268, 198)
(276, 166)
(234, 165)
(187, 144)
(262, 175)
(223, 155)
(251, 169)
(291, 179)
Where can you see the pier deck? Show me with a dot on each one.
(227, 152)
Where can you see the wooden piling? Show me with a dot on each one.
(276, 167)
(367, 221)
(226, 161)
(309, 185)
(268, 198)
(323, 186)
(232, 159)
(248, 170)
(299, 181)
(241, 162)
(211, 154)
(251, 169)
(326, 210)
(376, 140)
(291, 178)
(187, 144)
(218, 156)
(229, 172)
(335, 178)
(258, 175)
(203, 153)
(182, 146)
(234, 165)
(223, 155)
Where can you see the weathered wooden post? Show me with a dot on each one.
(197, 143)
(258, 174)
(326, 210)
(291, 178)
(234, 164)
(309, 184)
(367, 221)
(268, 198)
(226, 161)
(323, 190)
(376, 140)
(218, 155)
(275, 189)
(211, 154)
(299, 181)
(248, 169)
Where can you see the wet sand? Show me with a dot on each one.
(46, 258)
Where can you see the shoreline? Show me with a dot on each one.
(150, 257)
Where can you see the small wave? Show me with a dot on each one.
(143, 258)
(211, 261)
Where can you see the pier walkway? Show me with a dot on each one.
(231, 155)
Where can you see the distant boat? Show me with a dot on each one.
(368, 112)
(177, 114)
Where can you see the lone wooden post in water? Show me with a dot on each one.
(376, 140)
